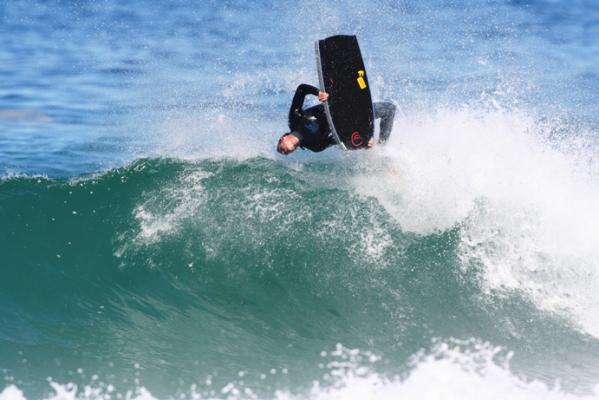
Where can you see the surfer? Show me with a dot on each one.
(310, 128)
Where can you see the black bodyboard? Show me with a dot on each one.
(342, 75)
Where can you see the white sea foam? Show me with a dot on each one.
(160, 216)
(457, 370)
(448, 372)
(11, 392)
(10, 174)
(526, 207)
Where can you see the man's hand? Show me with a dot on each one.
(323, 96)
(371, 143)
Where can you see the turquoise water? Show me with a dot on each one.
(154, 245)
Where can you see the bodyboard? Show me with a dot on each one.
(342, 75)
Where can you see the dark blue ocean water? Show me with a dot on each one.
(154, 245)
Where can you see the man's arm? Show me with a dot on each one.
(295, 112)
(386, 112)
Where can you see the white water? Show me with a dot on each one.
(527, 207)
(456, 370)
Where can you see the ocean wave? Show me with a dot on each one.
(466, 369)
(225, 259)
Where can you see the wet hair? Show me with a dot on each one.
(279, 142)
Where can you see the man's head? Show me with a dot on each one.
(287, 144)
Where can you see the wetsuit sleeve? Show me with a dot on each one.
(295, 112)
(386, 112)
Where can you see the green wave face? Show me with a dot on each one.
(166, 272)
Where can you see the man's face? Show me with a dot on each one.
(287, 144)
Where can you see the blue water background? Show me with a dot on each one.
(150, 263)
(84, 84)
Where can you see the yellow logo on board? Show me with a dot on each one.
(361, 81)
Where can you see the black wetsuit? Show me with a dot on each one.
(311, 127)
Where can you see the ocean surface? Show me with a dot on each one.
(153, 244)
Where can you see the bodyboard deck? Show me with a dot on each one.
(342, 75)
